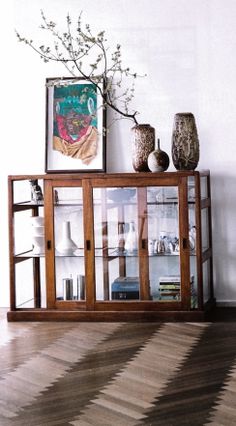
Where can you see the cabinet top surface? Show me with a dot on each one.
(132, 175)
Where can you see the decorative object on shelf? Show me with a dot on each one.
(56, 196)
(161, 244)
(192, 237)
(36, 191)
(185, 143)
(80, 287)
(165, 244)
(66, 246)
(131, 242)
(121, 195)
(158, 160)
(38, 244)
(37, 220)
(125, 288)
(143, 144)
(151, 246)
(68, 288)
(38, 234)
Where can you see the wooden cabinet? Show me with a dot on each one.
(108, 247)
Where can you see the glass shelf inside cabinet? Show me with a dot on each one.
(76, 253)
(29, 203)
(28, 254)
(71, 203)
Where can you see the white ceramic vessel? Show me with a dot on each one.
(131, 241)
(37, 220)
(66, 245)
(38, 244)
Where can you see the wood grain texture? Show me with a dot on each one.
(117, 374)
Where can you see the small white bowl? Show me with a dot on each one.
(38, 244)
(37, 230)
(37, 220)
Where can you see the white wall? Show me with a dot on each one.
(187, 49)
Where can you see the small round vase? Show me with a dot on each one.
(66, 245)
(185, 143)
(158, 160)
(143, 144)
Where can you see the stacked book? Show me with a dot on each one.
(124, 288)
(169, 289)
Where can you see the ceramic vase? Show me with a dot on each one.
(158, 160)
(131, 242)
(143, 143)
(185, 143)
(38, 235)
(66, 245)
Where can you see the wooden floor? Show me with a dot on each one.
(108, 374)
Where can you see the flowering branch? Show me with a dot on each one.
(74, 47)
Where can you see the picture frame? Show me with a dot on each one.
(75, 126)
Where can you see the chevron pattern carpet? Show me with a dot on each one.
(108, 374)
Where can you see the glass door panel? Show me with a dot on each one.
(205, 229)
(116, 243)
(206, 281)
(29, 244)
(69, 244)
(163, 243)
(192, 241)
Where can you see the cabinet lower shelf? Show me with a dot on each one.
(109, 316)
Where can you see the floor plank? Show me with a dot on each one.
(118, 374)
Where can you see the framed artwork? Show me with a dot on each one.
(75, 126)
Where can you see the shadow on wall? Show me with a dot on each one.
(119, 145)
(224, 235)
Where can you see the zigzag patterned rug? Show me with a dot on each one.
(124, 374)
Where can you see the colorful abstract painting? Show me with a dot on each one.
(75, 125)
(75, 121)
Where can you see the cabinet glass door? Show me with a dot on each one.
(116, 234)
(137, 250)
(163, 243)
(69, 244)
(28, 244)
(193, 240)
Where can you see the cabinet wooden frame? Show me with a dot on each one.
(107, 309)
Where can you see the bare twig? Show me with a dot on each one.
(74, 47)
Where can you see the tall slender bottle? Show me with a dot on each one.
(131, 241)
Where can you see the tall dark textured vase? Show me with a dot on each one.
(185, 143)
(143, 143)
